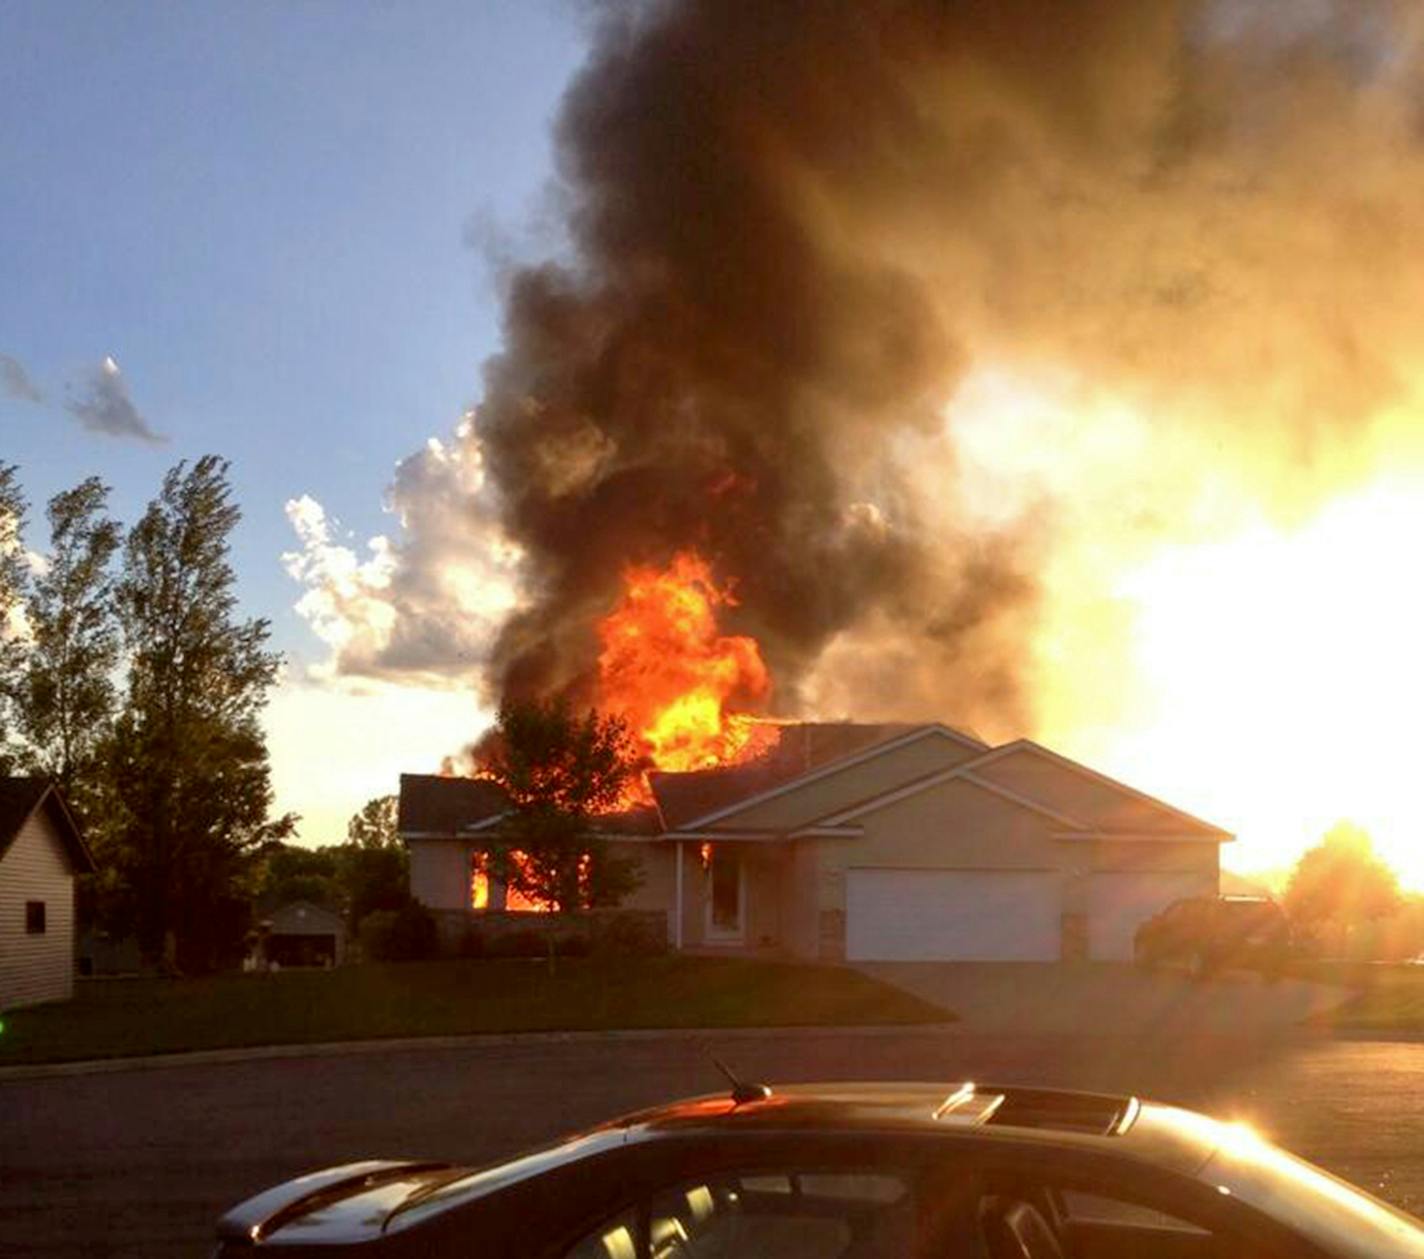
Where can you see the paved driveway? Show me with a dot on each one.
(1107, 999)
(141, 1162)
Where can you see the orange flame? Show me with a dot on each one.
(684, 688)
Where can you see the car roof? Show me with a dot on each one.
(368, 1199)
(1174, 1139)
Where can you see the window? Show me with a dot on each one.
(613, 1239)
(35, 918)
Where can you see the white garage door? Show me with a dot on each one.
(1119, 903)
(952, 915)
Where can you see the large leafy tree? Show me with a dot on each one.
(67, 693)
(560, 769)
(374, 865)
(1341, 883)
(14, 582)
(188, 766)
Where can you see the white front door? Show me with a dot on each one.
(953, 916)
(726, 896)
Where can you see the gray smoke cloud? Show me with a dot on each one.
(15, 381)
(795, 229)
(104, 406)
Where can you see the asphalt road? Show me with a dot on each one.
(141, 1162)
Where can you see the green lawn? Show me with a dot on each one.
(1388, 998)
(119, 1017)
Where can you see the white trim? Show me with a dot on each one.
(835, 767)
(677, 915)
(715, 935)
(769, 836)
(959, 772)
(1028, 745)
(1171, 837)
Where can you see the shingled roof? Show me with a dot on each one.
(802, 747)
(439, 804)
(20, 797)
(436, 805)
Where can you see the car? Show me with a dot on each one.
(1208, 934)
(847, 1171)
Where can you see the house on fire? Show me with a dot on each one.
(869, 843)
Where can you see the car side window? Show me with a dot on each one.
(767, 1213)
(613, 1239)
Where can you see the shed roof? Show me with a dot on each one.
(20, 797)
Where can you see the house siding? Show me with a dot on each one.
(854, 784)
(1079, 795)
(954, 825)
(35, 968)
(440, 873)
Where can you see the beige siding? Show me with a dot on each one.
(855, 784)
(1164, 855)
(802, 907)
(440, 873)
(656, 866)
(952, 826)
(36, 968)
(1079, 795)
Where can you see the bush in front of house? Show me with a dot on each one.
(630, 935)
(407, 934)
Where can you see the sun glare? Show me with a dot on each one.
(1255, 658)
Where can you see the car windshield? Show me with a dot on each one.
(1342, 1218)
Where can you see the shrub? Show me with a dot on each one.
(630, 935)
(522, 943)
(407, 934)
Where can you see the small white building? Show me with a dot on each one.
(41, 851)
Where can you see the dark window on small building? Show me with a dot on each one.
(35, 918)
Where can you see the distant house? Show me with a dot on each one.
(868, 843)
(41, 850)
(303, 933)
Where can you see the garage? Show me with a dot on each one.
(953, 915)
(1120, 901)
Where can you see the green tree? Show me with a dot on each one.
(188, 763)
(67, 694)
(1341, 883)
(374, 866)
(375, 825)
(14, 586)
(560, 771)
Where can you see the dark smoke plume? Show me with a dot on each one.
(795, 227)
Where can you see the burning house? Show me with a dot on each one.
(867, 843)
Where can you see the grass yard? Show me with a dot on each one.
(121, 1017)
(1389, 997)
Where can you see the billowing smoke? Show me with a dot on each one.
(795, 230)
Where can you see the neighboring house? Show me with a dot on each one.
(41, 850)
(303, 933)
(870, 843)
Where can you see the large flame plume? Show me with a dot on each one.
(687, 691)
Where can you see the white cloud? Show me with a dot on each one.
(425, 606)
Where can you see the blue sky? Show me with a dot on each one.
(262, 213)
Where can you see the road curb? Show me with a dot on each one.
(479, 1040)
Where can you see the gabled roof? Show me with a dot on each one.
(804, 753)
(1190, 824)
(19, 800)
(439, 806)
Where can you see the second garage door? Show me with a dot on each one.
(1122, 901)
(952, 916)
